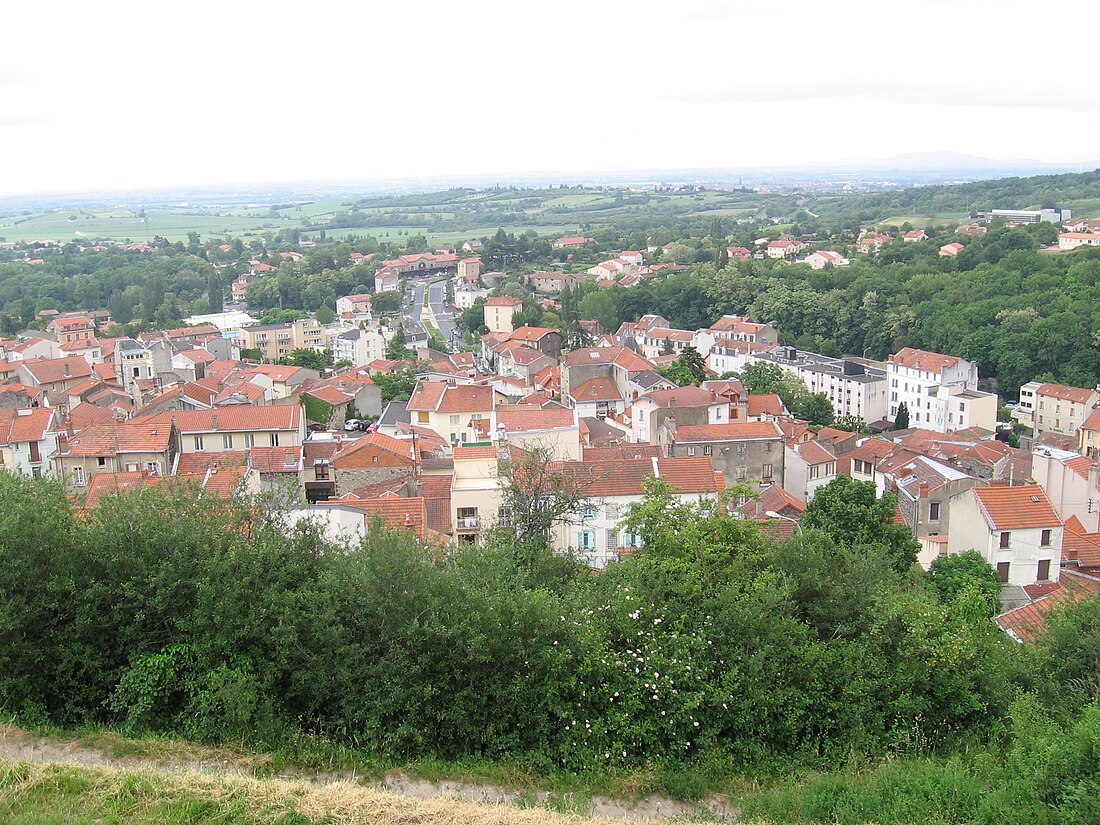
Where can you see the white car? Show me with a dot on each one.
(352, 424)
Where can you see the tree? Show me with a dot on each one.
(121, 308)
(536, 493)
(901, 418)
(325, 315)
(215, 292)
(949, 576)
(310, 359)
(852, 424)
(850, 512)
(667, 348)
(395, 348)
(817, 409)
(760, 377)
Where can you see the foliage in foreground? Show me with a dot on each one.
(163, 611)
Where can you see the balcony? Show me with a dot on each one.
(468, 522)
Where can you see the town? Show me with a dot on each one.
(416, 400)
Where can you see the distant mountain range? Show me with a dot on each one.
(917, 168)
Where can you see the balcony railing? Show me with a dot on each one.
(468, 523)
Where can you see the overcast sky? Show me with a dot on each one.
(120, 95)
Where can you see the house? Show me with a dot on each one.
(1088, 435)
(744, 452)
(873, 242)
(387, 280)
(939, 391)
(925, 489)
(1072, 240)
(361, 345)
(448, 408)
(149, 446)
(784, 248)
(1028, 622)
(469, 270)
(355, 304)
(1063, 409)
(374, 458)
(951, 250)
(499, 312)
(550, 283)
(611, 488)
(277, 341)
(521, 361)
(688, 406)
(738, 253)
(824, 258)
(1016, 529)
(233, 428)
(1070, 482)
(545, 340)
(53, 374)
(573, 242)
(809, 466)
(597, 380)
(971, 229)
(553, 429)
(67, 330)
(473, 245)
(27, 440)
(914, 235)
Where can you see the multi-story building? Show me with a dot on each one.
(499, 312)
(27, 440)
(1016, 529)
(750, 452)
(448, 408)
(686, 405)
(233, 427)
(360, 346)
(1062, 409)
(277, 341)
(939, 391)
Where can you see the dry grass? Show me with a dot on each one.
(28, 790)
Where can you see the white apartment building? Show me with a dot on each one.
(940, 391)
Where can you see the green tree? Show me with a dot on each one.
(395, 347)
(325, 315)
(310, 359)
(215, 292)
(817, 409)
(850, 512)
(951, 575)
(901, 418)
(152, 296)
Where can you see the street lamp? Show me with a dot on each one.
(773, 514)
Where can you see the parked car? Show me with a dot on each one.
(352, 424)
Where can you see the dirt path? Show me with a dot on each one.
(19, 745)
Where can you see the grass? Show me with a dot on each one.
(47, 794)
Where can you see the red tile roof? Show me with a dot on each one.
(684, 397)
(521, 418)
(625, 478)
(765, 404)
(923, 360)
(737, 431)
(112, 438)
(620, 452)
(597, 389)
(1016, 508)
(1064, 393)
(55, 370)
(24, 426)
(232, 419)
(1027, 623)
(503, 301)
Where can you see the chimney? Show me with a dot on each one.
(409, 520)
(656, 469)
(214, 422)
(68, 372)
(922, 490)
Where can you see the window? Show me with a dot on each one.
(586, 539)
(1044, 538)
(249, 441)
(504, 516)
(612, 537)
(766, 471)
(588, 512)
(1043, 573)
(768, 447)
(631, 539)
(742, 450)
(691, 451)
(1004, 540)
(320, 470)
(454, 419)
(1002, 572)
(612, 512)
(198, 443)
(101, 461)
(274, 439)
(708, 450)
(78, 475)
(934, 511)
(742, 472)
(227, 441)
(422, 417)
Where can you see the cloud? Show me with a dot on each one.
(965, 92)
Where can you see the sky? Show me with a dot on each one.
(121, 95)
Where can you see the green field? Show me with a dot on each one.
(125, 224)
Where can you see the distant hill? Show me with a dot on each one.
(1079, 191)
